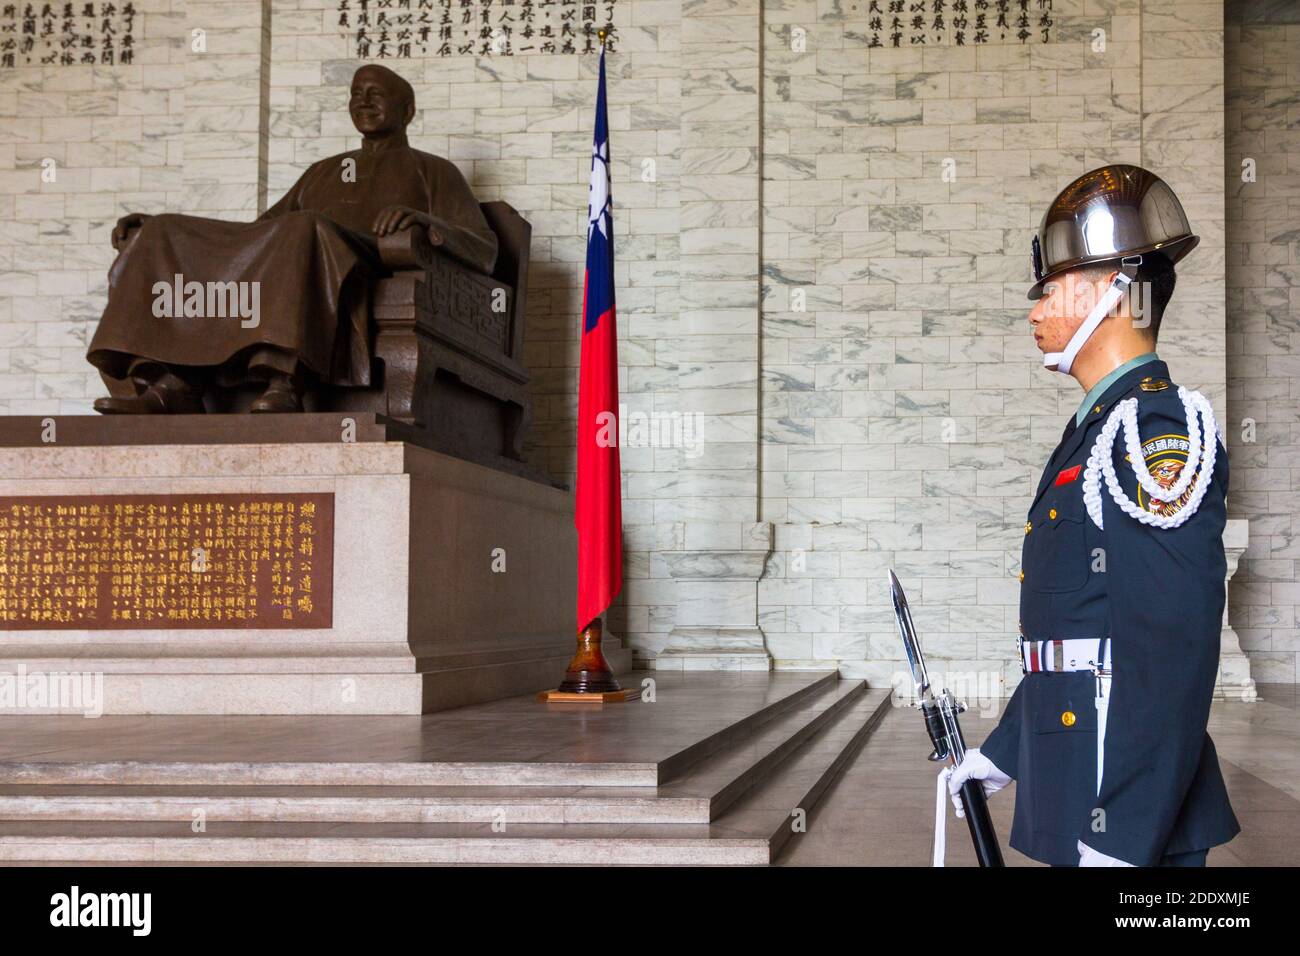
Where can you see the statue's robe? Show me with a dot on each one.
(312, 253)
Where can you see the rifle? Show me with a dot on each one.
(941, 723)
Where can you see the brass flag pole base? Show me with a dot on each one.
(589, 678)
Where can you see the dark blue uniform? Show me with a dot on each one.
(1157, 595)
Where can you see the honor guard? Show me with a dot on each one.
(1122, 568)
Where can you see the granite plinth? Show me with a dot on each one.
(452, 582)
(327, 428)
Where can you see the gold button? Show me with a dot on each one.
(1022, 575)
(1096, 409)
(1068, 718)
(1029, 526)
(1052, 514)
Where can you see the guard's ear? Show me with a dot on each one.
(1101, 279)
(408, 114)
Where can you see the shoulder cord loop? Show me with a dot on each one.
(1101, 462)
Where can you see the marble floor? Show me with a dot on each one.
(880, 812)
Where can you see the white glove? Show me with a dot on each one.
(1090, 857)
(975, 766)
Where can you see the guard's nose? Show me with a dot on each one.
(1036, 313)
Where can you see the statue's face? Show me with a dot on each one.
(378, 105)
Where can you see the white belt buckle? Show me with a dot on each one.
(1103, 689)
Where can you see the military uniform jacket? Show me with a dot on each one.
(1157, 595)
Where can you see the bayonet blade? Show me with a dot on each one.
(907, 631)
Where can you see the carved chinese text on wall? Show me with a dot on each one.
(915, 23)
(67, 34)
(166, 561)
(402, 29)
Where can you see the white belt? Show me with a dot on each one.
(1070, 654)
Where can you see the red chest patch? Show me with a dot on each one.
(1067, 475)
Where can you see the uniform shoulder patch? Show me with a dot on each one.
(1165, 457)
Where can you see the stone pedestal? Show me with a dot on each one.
(717, 599)
(1234, 681)
(452, 583)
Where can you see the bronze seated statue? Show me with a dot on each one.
(378, 283)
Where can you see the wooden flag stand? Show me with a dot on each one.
(589, 678)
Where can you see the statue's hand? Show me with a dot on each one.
(132, 220)
(396, 218)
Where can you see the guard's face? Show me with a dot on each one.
(1066, 302)
(377, 104)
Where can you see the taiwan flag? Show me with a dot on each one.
(598, 514)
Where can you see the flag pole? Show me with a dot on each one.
(598, 509)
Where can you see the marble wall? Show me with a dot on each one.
(112, 140)
(1262, 72)
(822, 258)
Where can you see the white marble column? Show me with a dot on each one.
(725, 547)
(717, 581)
(1234, 681)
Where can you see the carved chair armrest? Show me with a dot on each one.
(408, 249)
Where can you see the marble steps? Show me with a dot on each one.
(296, 804)
(296, 754)
(785, 808)
(765, 727)
(751, 829)
(728, 775)
(375, 844)
(699, 793)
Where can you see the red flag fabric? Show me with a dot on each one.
(598, 513)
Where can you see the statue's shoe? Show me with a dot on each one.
(154, 400)
(279, 398)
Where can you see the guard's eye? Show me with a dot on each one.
(1036, 253)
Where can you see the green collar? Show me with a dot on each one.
(1099, 389)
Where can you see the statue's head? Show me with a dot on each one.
(382, 102)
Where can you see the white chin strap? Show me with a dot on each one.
(1062, 361)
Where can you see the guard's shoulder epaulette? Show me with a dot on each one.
(1150, 386)
(1157, 397)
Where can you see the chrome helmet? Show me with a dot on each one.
(1108, 215)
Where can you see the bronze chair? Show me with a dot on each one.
(449, 342)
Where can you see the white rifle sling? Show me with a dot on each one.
(1200, 457)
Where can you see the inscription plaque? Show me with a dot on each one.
(213, 561)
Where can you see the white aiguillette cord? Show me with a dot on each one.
(1202, 449)
(941, 816)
